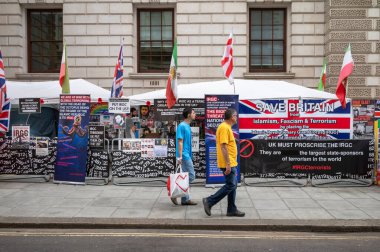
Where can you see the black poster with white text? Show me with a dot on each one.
(291, 157)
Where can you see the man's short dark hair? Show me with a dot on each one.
(186, 112)
(228, 113)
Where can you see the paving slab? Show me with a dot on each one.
(67, 212)
(336, 205)
(104, 202)
(131, 213)
(174, 212)
(365, 203)
(325, 196)
(31, 211)
(301, 203)
(264, 195)
(312, 214)
(100, 212)
(373, 212)
(349, 214)
(73, 202)
(6, 191)
(41, 201)
(270, 204)
(138, 203)
(272, 214)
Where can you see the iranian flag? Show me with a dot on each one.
(345, 71)
(322, 79)
(64, 73)
(171, 87)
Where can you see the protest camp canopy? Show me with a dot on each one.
(246, 89)
(50, 90)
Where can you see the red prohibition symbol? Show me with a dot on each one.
(247, 148)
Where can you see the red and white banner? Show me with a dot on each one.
(228, 62)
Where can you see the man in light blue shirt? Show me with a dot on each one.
(184, 151)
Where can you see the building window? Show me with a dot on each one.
(267, 43)
(44, 40)
(155, 40)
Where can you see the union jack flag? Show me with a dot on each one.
(5, 105)
(117, 84)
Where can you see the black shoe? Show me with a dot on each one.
(206, 206)
(236, 214)
(174, 200)
(189, 203)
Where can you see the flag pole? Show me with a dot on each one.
(349, 44)
(346, 88)
(233, 63)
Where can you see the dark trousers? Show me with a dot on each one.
(228, 189)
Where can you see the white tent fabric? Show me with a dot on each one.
(246, 89)
(50, 90)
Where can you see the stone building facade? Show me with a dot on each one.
(312, 30)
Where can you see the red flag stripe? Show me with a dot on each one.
(229, 69)
(227, 60)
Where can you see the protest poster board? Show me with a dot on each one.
(74, 117)
(147, 147)
(216, 105)
(97, 135)
(106, 119)
(119, 121)
(29, 105)
(131, 145)
(20, 133)
(277, 158)
(163, 113)
(161, 147)
(100, 108)
(119, 106)
(42, 146)
(195, 139)
(363, 118)
(20, 136)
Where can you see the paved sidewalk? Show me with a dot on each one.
(54, 204)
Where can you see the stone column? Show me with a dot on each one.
(355, 22)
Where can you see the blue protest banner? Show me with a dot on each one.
(216, 105)
(74, 117)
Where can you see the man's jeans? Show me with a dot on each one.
(228, 189)
(187, 166)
